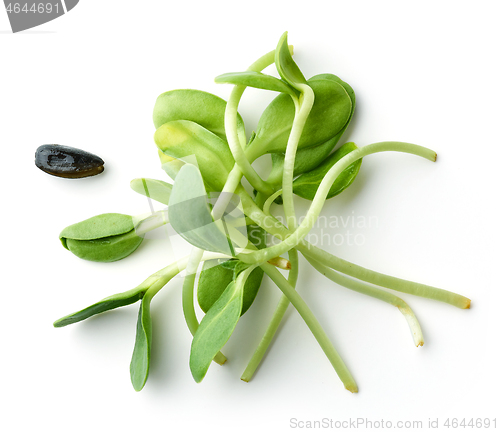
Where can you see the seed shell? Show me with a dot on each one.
(67, 162)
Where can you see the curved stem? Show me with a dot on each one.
(313, 324)
(319, 199)
(278, 315)
(188, 289)
(273, 226)
(150, 221)
(377, 293)
(167, 273)
(231, 185)
(267, 205)
(188, 297)
(230, 122)
(302, 109)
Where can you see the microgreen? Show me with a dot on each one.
(107, 237)
(139, 365)
(203, 147)
(112, 302)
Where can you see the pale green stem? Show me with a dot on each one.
(232, 183)
(267, 205)
(383, 280)
(273, 226)
(188, 289)
(167, 273)
(302, 110)
(377, 293)
(313, 324)
(272, 328)
(188, 297)
(230, 122)
(319, 199)
(149, 222)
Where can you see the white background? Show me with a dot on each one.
(424, 72)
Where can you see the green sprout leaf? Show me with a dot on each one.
(307, 184)
(103, 238)
(115, 301)
(154, 189)
(215, 329)
(329, 114)
(197, 106)
(139, 365)
(348, 90)
(182, 139)
(214, 280)
(255, 80)
(104, 225)
(107, 249)
(190, 215)
(310, 157)
(287, 68)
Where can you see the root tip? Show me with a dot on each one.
(353, 388)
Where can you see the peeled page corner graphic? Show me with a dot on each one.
(26, 14)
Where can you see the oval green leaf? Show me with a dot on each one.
(115, 301)
(349, 91)
(100, 226)
(214, 280)
(151, 188)
(197, 106)
(310, 157)
(307, 184)
(190, 215)
(182, 139)
(106, 249)
(329, 114)
(215, 329)
(139, 365)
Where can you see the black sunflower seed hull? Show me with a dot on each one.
(68, 162)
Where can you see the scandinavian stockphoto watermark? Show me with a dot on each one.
(342, 230)
(230, 234)
(27, 14)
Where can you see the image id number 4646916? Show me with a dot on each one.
(39, 8)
